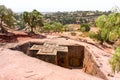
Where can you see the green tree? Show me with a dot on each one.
(85, 27)
(54, 27)
(6, 17)
(57, 27)
(47, 28)
(115, 60)
(109, 27)
(100, 21)
(103, 35)
(33, 19)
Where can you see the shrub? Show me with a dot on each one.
(103, 35)
(113, 36)
(73, 33)
(57, 27)
(54, 27)
(85, 27)
(115, 60)
(100, 21)
(92, 35)
(46, 28)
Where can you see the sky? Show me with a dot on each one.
(60, 5)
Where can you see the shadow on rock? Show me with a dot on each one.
(37, 36)
(9, 37)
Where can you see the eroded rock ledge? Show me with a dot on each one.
(15, 65)
(95, 61)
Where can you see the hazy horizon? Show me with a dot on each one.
(60, 5)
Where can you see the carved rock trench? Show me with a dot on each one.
(78, 57)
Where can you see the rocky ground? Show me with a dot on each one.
(15, 65)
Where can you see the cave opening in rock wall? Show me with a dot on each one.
(68, 56)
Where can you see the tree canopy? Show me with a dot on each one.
(76, 17)
(53, 27)
(109, 27)
(6, 17)
(115, 60)
(33, 19)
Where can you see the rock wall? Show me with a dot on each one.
(15, 65)
(75, 56)
(24, 47)
(90, 66)
(78, 57)
(62, 59)
(48, 58)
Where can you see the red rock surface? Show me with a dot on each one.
(15, 65)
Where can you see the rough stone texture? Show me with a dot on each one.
(50, 52)
(75, 56)
(65, 56)
(99, 61)
(48, 58)
(90, 66)
(16, 65)
(62, 59)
